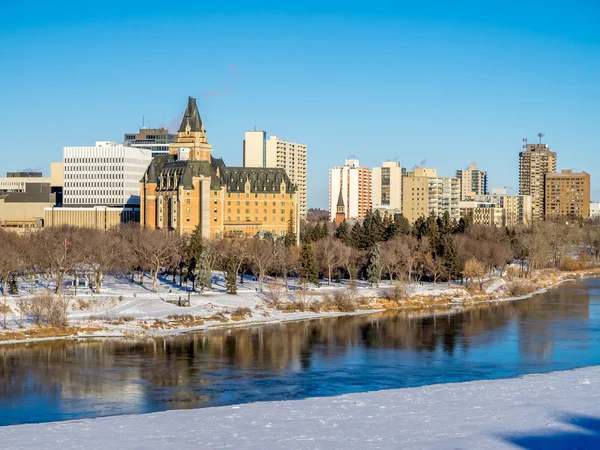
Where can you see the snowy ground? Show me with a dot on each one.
(121, 299)
(558, 410)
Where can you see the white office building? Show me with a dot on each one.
(258, 151)
(107, 174)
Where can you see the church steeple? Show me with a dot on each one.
(340, 213)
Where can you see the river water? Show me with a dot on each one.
(63, 380)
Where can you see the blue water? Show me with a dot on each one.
(62, 380)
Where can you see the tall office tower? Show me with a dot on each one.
(386, 187)
(106, 174)
(567, 194)
(277, 153)
(425, 193)
(156, 140)
(534, 164)
(472, 181)
(355, 185)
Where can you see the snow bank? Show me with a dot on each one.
(549, 411)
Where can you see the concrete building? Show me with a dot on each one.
(189, 188)
(24, 210)
(425, 193)
(107, 174)
(482, 213)
(355, 184)
(517, 208)
(277, 153)
(595, 210)
(534, 163)
(567, 194)
(16, 181)
(100, 218)
(386, 187)
(472, 181)
(156, 140)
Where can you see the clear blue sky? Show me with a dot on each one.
(435, 81)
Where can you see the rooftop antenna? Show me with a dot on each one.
(143, 122)
(541, 135)
(525, 143)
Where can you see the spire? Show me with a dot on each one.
(340, 199)
(191, 118)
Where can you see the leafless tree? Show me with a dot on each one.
(101, 252)
(328, 252)
(58, 253)
(262, 254)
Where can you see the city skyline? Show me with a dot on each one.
(381, 83)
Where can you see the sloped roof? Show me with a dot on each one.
(340, 199)
(191, 117)
(262, 180)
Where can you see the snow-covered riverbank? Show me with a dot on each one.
(557, 410)
(126, 309)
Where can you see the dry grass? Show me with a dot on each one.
(219, 317)
(47, 332)
(83, 305)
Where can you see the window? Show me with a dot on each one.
(187, 200)
(187, 219)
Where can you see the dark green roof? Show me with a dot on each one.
(234, 178)
(340, 199)
(191, 117)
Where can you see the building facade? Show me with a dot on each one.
(100, 218)
(444, 197)
(386, 187)
(472, 181)
(156, 140)
(482, 213)
(190, 188)
(595, 210)
(23, 211)
(277, 153)
(567, 194)
(517, 208)
(355, 184)
(534, 163)
(424, 193)
(106, 174)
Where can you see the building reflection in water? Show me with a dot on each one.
(297, 359)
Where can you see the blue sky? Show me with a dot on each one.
(437, 82)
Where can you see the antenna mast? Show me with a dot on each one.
(541, 135)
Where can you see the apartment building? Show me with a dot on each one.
(386, 187)
(482, 213)
(355, 184)
(106, 174)
(258, 151)
(472, 181)
(156, 140)
(534, 163)
(517, 208)
(595, 210)
(425, 193)
(567, 194)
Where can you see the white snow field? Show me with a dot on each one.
(557, 410)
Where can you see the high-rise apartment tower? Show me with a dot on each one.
(354, 182)
(386, 187)
(258, 151)
(472, 181)
(534, 163)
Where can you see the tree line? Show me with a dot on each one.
(434, 249)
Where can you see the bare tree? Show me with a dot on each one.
(101, 252)
(262, 254)
(58, 253)
(286, 261)
(231, 254)
(328, 252)
(474, 270)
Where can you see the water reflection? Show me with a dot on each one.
(66, 379)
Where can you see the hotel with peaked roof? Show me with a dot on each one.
(189, 188)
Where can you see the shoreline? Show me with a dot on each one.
(123, 333)
(555, 409)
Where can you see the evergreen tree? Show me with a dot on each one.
(402, 225)
(324, 231)
(449, 257)
(356, 236)
(308, 265)
(204, 269)
(342, 232)
(444, 224)
(231, 277)
(194, 251)
(421, 227)
(13, 289)
(374, 266)
(290, 236)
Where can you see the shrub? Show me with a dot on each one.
(569, 264)
(83, 304)
(396, 292)
(343, 302)
(517, 289)
(47, 309)
(315, 306)
(242, 312)
(275, 292)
